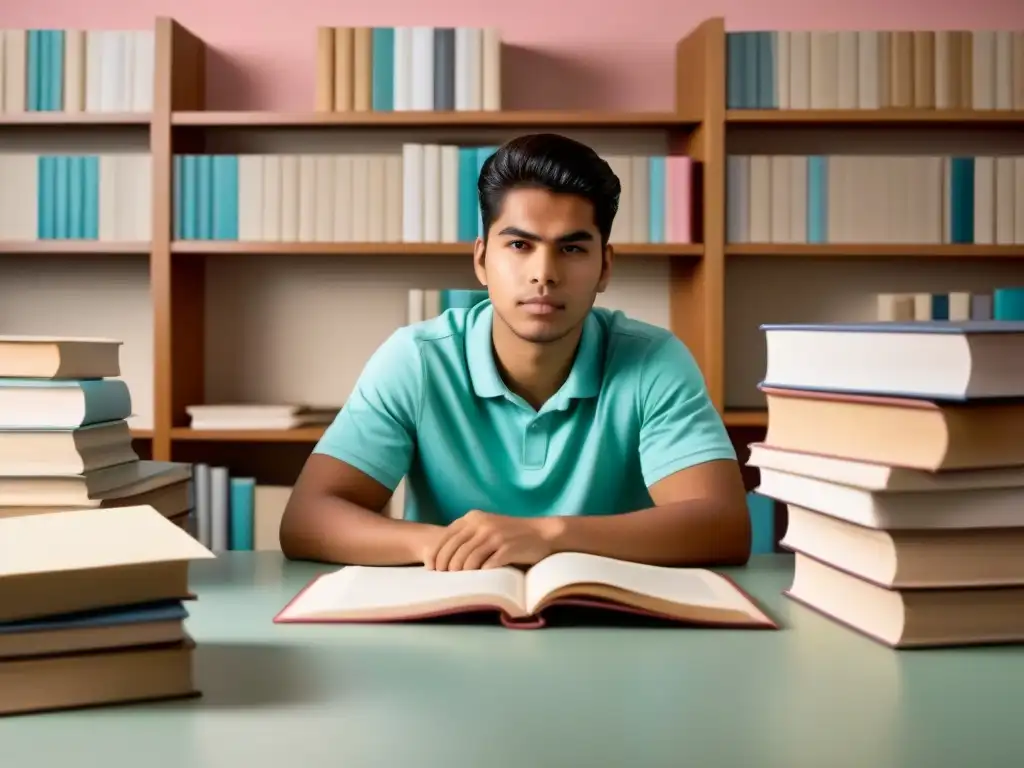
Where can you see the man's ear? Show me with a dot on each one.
(606, 269)
(479, 253)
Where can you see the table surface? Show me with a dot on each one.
(811, 694)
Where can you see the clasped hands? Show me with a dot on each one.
(480, 540)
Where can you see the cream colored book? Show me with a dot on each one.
(85, 559)
(527, 599)
(59, 357)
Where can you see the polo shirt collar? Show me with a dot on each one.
(584, 378)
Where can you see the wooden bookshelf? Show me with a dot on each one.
(300, 435)
(698, 125)
(425, 250)
(83, 247)
(740, 418)
(875, 250)
(878, 117)
(406, 120)
(75, 119)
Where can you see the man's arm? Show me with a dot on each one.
(334, 513)
(700, 513)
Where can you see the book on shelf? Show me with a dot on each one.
(65, 441)
(225, 509)
(426, 303)
(896, 450)
(528, 599)
(422, 193)
(1002, 303)
(105, 197)
(934, 69)
(868, 198)
(259, 415)
(419, 68)
(92, 609)
(77, 70)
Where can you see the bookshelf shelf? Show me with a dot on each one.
(71, 247)
(406, 120)
(76, 119)
(876, 250)
(300, 435)
(215, 247)
(745, 418)
(881, 117)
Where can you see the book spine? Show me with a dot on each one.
(241, 510)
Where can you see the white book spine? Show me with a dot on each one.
(422, 68)
(250, 198)
(412, 193)
(272, 207)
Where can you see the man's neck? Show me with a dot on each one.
(533, 371)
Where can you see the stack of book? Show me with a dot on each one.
(92, 609)
(897, 449)
(64, 436)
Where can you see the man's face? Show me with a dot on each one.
(543, 264)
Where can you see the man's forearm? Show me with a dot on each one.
(329, 529)
(697, 532)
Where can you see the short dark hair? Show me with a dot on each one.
(553, 162)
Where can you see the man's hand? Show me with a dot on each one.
(486, 540)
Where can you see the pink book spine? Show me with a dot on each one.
(679, 180)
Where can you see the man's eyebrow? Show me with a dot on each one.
(572, 237)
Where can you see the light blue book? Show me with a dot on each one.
(68, 403)
(170, 610)
(243, 500)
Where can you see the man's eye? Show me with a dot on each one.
(517, 244)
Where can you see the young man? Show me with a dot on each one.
(534, 422)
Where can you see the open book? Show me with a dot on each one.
(372, 593)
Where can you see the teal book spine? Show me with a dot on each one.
(383, 69)
(961, 200)
(482, 153)
(751, 59)
(656, 175)
(104, 399)
(762, 523)
(225, 197)
(1008, 304)
(46, 168)
(735, 69)
(178, 197)
(767, 44)
(190, 221)
(468, 203)
(55, 75)
(33, 62)
(61, 197)
(940, 306)
(242, 505)
(817, 199)
(462, 298)
(91, 202)
(204, 197)
(76, 197)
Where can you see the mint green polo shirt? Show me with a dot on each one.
(431, 406)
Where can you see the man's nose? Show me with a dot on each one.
(544, 266)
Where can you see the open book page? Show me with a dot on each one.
(387, 593)
(684, 592)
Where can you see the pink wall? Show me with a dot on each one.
(562, 52)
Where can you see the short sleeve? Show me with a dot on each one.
(375, 431)
(679, 424)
